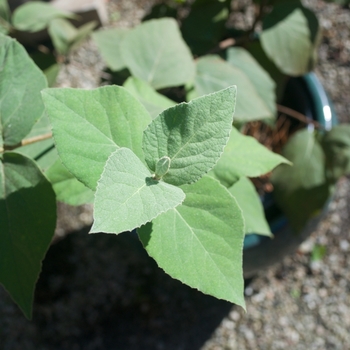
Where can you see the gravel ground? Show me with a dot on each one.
(103, 292)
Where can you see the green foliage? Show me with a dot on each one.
(193, 135)
(20, 105)
(201, 241)
(143, 159)
(244, 156)
(36, 15)
(253, 212)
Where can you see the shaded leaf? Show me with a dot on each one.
(214, 74)
(264, 86)
(67, 188)
(155, 52)
(20, 101)
(245, 156)
(193, 135)
(28, 219)
(154, 102)
(127, 196)
(301, 190)
(253, 212)
(200, 242)
(89, 125)
(287, 38)
(109, 43)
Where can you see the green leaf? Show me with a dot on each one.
(301, 190)
(89, 125)
(67, 188)
(5, 12)
(336, 146)
(264, 86)
(204, 27)
(154, 102)
(109, 43)
(65, 36)
(127, 196)
(51, 74)
(20, 85)
(245, 156)
(36, 15)
(193, 135)
(155, 52)
(200, 242)
(28, 219)
(287, 38)
(213, 74)
(253, 212)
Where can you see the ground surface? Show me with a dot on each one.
(103, 292)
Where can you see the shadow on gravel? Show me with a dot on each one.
(104, 292)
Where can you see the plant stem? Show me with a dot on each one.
(299, 116)
(28, 141)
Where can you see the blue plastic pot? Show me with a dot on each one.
(307, 96)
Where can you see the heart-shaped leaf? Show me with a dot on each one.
(128, 196)
(155, 52)
(20, 85)
(88, 125)
(214, 74)
(200, 242)
(193, 135)
(28, 219)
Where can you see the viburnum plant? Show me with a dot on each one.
(178, 174)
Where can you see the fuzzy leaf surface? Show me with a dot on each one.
(28, 220)
(253, 212)
(127, 196)
(214, 74)
(193, 135)
(153, 101)
(155, 52)
(200, 242)
(20, 84)
(245, 156)
(89, 125)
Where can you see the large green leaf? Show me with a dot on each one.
(245, 156)
(127, 196)
(193, 135)
(301, 190)
(89, 125)
(151, 99)
(204, 27)
(67, 188)
(155, 52)
(264, 86)
(213, 74)
(287, 38)
(201, 241)
(253, 212)
(20, 84)
(28, 219)
(36, 15)
(109, 43)
(336, 146)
